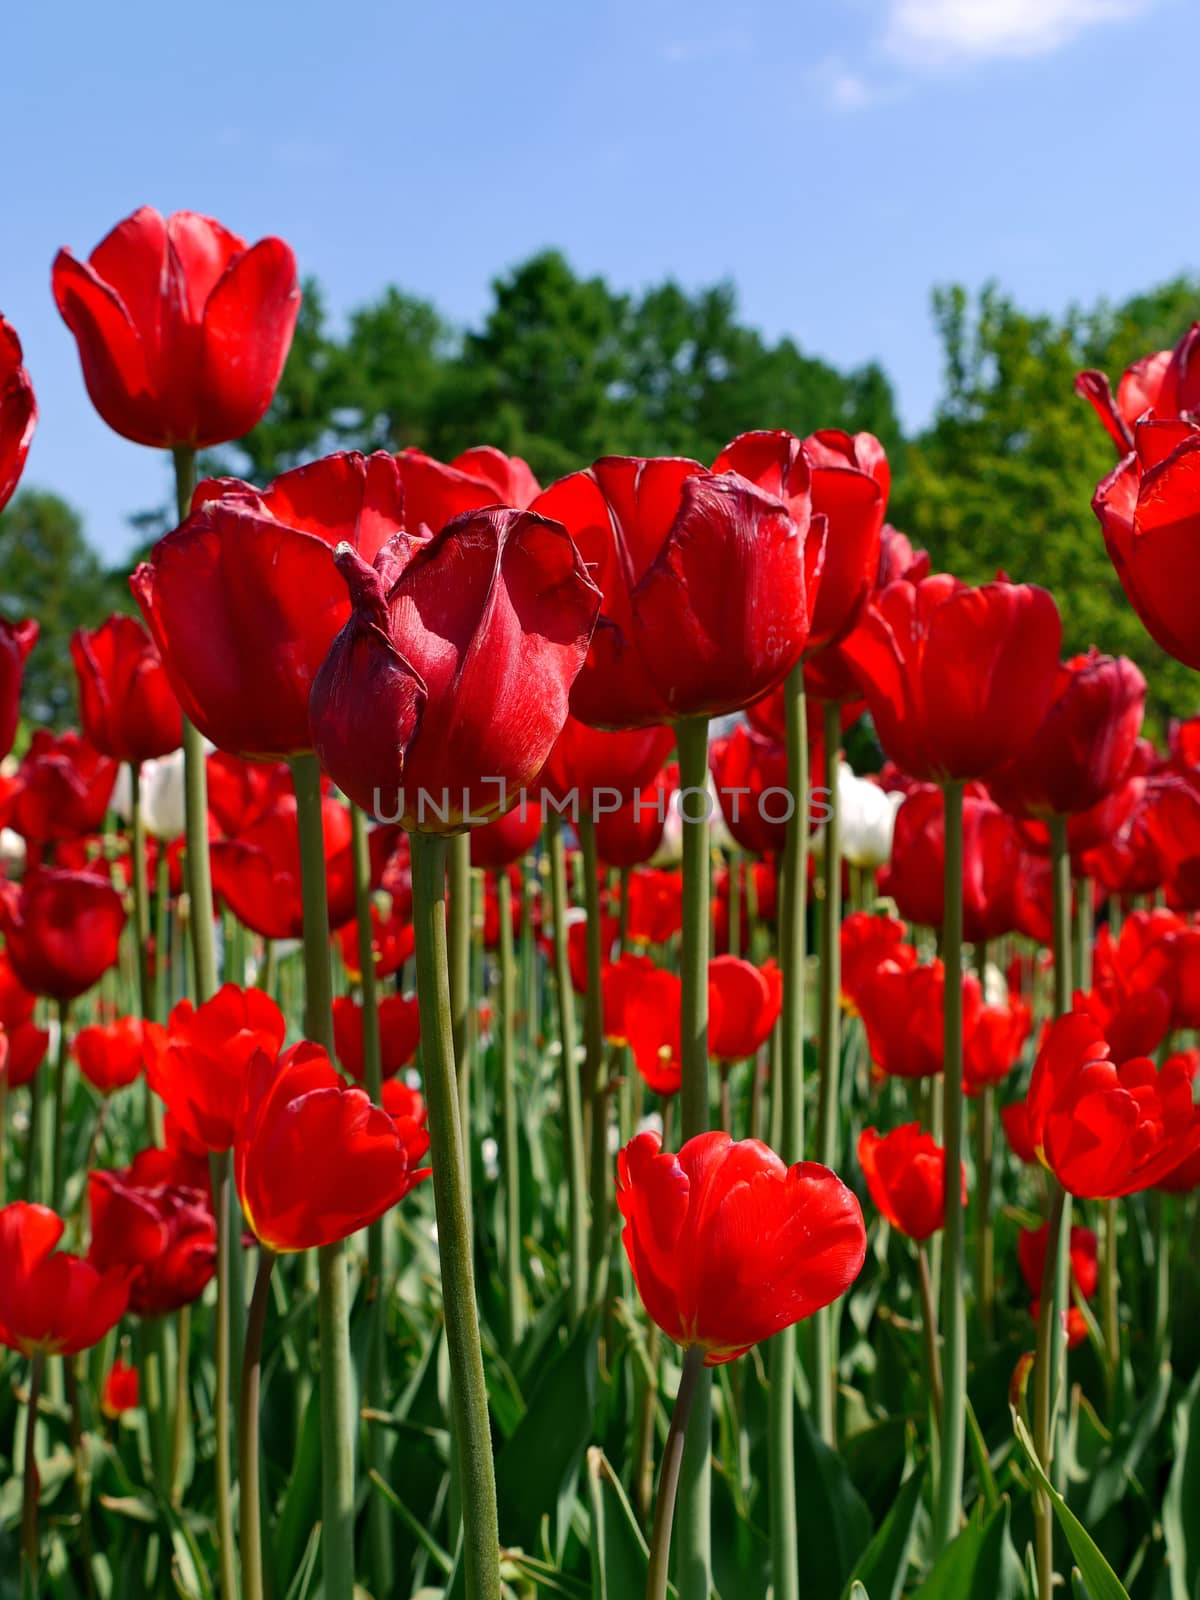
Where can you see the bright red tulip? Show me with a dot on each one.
(750, 772)
(577, 945)
(1107, 1130)
(747, 1006)
(128, 709)
(705, 580)
(728, 1245)
(62, 790)
(17, 639)
(115, 1054)
(957, 679)
(445, 692)
(991, 1049)
(902, 1011)
(655, 913)
(399, 1034)
(618, 980)
(240, 793)
(292, 1107)
(899, 559)
(163, 1235)
(651, 1006)
(201, 1073)
(182, 329)
(906, 1175)
(1166, 384)
(62, 929)
(603, 770)
(631, 835)
(1015, 1121)
(435, 491)
(1031, 1258)
(867, 941)
(914, 876)
(50, 1300)
(120, 1392)
(16, 1001)
(1173, 823)
(506, 839)
(1134, 982)
(18, 413)
(25, 1047)
(407, 1109)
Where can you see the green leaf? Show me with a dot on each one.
(1182, 1497)
(1101, 1580)
(883, 1565)
(619, 1554)
(980, 1564)
(833, 1522)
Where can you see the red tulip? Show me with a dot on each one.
(757, 886)
(603, 770)
(120, 1392)
(748, 999)
(16, 1001)
(1134, 979)
(631, 835)
(1031, 1258)
(62, 790)
(728, 1245)
(577, 945)
(906, 1178)
(17, 639)
(705, 583)
(50, 1300)
(25, 1050)
(867, 941)
(243, 599)
(201, 1074)
(913, 878)
(991, 1048)
(163, 1235)
(750, 772)
(1106, 1130)
(182, 330)
(407, 1109)
(902, 1010)
(1015, 1121)
(957, 679)
(435, 491)
(619, 980)
(655, 912)
(62, 929)
(899, 559)
(1173, 824)
(113, 1055)
(127, 706)
(506, 839)
(240, 793)
(18, 413)
(444, 694)
(1166, 384)
(181, 1161)
(1128, 862)
(651, 1008)
(289, 1109)
(399, 1034)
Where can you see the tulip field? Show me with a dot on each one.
(621, 1037)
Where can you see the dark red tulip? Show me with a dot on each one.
(1166, 384)
(1173, 824)
(991, 1049)
(1085, 744)
(18, 413)
(1129, 862)
(50, 1300)
(906, 1175)
(902, 1011)
(603, 770)
(399, 1034)
(241, 792)
(62, 929)
(729, 1245)
(181, 1161)
(705, 583)
(292, 1107)
(436, 491)
(506, 839)
(62, 790)
(867, 941)
(128, 709)
(1107, 1130)
(913, 877)
(1092, 829)
(1015, 1121)
(201, 1073)
(25, 1050)
(17, 639)
(244, 600)
(1085, 1266)
(115, 1054)
(957, 679)
(443, 695)
(655, 911)
(163, 1235)
(392, 937)
(631, 835)
(16, 1001)
(750, 772)
(748, 999)
(182, 329)
(120, 1391)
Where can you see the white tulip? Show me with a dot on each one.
(868, 818)
(162, 796)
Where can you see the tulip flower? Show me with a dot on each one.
(435, 491)
(182, 329)
(446, 690)
(618, 981)
(1134, 981)
(758, 885)
(201, 1073)
(905, 1172)
(51, 1301)
(292, 1107)
(991, 1048)
(241, 793)
(868, 819)
(163, 1235)
(902, 1011)
(655, 911)
(600, 769)
(867, 941)
(407, 1109)
(746, 1007)
(706, 585)
(399, 1034)
(899, 559)
(1031, 1258)
(1014, 1119)
(506, 839)
(62, 790)
(632, 835)
(651, 1019)
(160, 796)
(728, 1245)
(127, 706)
(1166, 384)
(914, 878)
(243, 599)
(26, 1050)
(18, 413)
(62, 930)
(120, 1392)
(1172, 821)
(1107, 1130)
(17, 1003)
(577, 945)
(751, 776)
(17, 639)
(113, 1055)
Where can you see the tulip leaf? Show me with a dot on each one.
(833, 1521)
(619, 1553)
(981, 1563)
(301, 1507)
(883, 1565)
(1183, 1495)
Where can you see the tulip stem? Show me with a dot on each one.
(338, 1425)
(1060, 870)
(830, 1058)
(693, 1566)
(1111, 1308)
(572, 1111)
(249, 1506)
(510, 1152)
(222, 1195)
(1159, 1211)
(467, 1385)
(985, 1132)
(141, 933)
(29, 1479)
(57, 1176)
(954, 1314)
(1049, 1334)
(787, 1113)
(595, 1065)
(933, 1360)
(180, 1417)
(458, 852)
(668, 1482)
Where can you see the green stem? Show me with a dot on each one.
(985, 1239)
(152, 1346)
(222, 1193)
(1044, 1377)
(467, 1386)
(787, 1114)
(198, 873)
(735, 905)
(954, 1316)
(458, 851)
(693, 1562)
(572, 1110)
(933, 1360)
(1160, 1213)
(1083, 931)
(162, 908)
(30, 1548)
(57, 1174)
(1111, 1309)
(180, 1414)
(595, 1074)
(830, 1057)
(35, 1170)
(668, 1482)
(510, 1151)
(147, 998)
(1060, 869)
(249, 1504)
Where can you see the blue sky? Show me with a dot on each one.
(836, 158)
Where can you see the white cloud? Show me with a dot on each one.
(710, 47)
(964, 30)
(848, 91)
